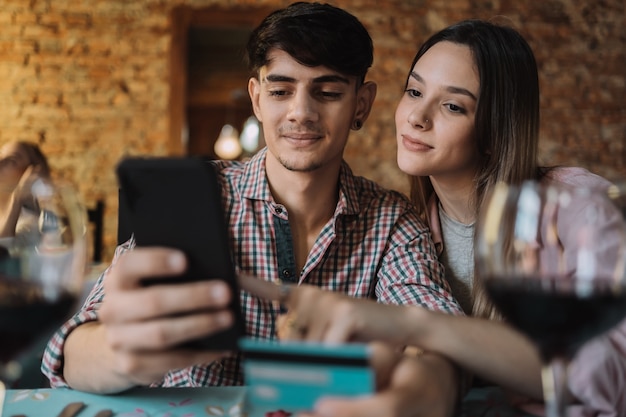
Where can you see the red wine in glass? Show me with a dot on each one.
(552, 259)
(41, 274)
(27, 313)
(557, 314)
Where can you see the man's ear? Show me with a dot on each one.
(365, 100)
(254, 90)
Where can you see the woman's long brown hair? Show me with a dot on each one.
(506, 122)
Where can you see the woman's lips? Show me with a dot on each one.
(414, 145)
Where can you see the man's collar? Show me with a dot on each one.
(254, 184)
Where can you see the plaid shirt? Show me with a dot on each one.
(374, 246)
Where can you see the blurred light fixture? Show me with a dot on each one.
(227, 145)
(249, 138)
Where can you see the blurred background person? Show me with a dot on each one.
(21, 164)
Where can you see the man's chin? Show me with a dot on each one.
(300, 166)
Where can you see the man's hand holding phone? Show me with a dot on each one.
(172, 301)
(146, 327)
(176, 203)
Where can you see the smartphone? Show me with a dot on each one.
(292, 375)
(176, 202)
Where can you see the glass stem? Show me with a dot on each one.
(554, 380)
(10, 372)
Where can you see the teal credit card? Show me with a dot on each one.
(292, 376)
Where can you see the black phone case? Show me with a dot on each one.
(176, 202)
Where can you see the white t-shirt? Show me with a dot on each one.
(458, 258)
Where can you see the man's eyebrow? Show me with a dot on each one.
(451, 89)
(318, 80)
(331, 79)
(274, 78)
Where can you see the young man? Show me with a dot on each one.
(296, 213)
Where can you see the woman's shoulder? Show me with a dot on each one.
(576, 177)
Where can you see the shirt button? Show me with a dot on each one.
(279, 210)
(286, 273)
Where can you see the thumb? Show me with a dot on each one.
(383, 360)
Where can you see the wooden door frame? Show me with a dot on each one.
(181, 19)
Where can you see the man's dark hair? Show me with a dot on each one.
(314, 34)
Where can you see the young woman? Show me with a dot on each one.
(469, 118)
(21, 163)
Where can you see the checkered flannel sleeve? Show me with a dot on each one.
(411, 272)
(52, 362)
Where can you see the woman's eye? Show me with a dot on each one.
(413, 93)
(455, 109)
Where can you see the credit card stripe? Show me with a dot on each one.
(309, 359)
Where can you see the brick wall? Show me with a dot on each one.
(89, 80)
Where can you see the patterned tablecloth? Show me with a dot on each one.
(155, 402)
(195, 402)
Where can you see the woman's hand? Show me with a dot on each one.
(408, 386)
(325, 316)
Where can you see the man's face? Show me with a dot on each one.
(306, 112)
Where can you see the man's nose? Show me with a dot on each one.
(303, 108)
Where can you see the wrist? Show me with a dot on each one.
(416, 326)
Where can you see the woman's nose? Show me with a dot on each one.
(419, 118)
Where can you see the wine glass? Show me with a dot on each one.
(552, 260)
(617, 194)
(41, 272)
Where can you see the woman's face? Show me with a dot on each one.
(435, 117)
(13, 163)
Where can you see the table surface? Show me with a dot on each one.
(195, 402)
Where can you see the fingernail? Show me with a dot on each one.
(176, 260)
(224, 319)
(219, 291)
